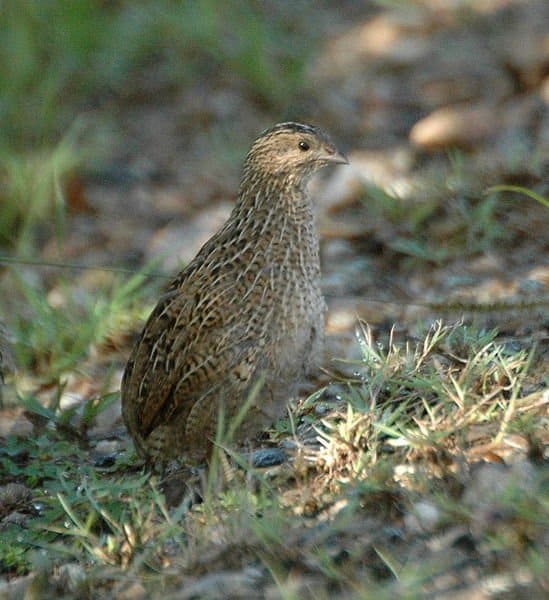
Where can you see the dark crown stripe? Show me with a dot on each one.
(291, 126)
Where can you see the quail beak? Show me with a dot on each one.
(333, 156)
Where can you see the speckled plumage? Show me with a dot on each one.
(247, 310)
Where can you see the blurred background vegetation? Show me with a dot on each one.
(123, 125)
(63, 59)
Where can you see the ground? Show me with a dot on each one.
(415, 464)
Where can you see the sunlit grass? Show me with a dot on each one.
(32, 196)
(400, 428)
(57, 329)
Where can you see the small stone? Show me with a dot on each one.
(16, 588)
(15, 518)
(268, 457)
(72, 577)
(135, 591)
(321, 409)
(423, 517)
(341, 317)
(106, 422)
(462, 126)
(107, 447)
(104, 461)
(488, 485)
(13, 495)
(289, 444)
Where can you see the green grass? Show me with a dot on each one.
(398, 433)
(519, 190)
(33, 193)
(445, 218)
(55, 331)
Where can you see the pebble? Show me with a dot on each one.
(134, 591)
(72, 577)
(268, 457)
(423, 517)
(462, 125)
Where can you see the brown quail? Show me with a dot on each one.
(246, 314)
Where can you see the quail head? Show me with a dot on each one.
(246, 314)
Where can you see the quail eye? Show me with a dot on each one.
(304, 146)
